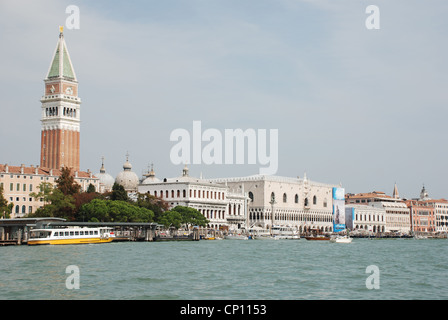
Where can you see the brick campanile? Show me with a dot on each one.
(60, 113)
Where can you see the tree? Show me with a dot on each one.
(170, 219)
(191, 217)
(66, 182)
(115, 211)
(156, 205)
(91, 188)
(59, 205)
(119, 193)
(45, 190)
(81, 199)
(5, 208)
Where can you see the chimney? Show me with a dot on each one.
(22, 166)
(6, 168)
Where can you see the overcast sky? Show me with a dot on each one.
(366, 108)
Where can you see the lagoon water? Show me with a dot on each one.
(228, 270)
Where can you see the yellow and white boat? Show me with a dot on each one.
(74, 235)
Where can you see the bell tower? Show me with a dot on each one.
(60, 112)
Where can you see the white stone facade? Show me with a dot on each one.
(366, 218)
(398, 218)
(220, 205)
(300, 203)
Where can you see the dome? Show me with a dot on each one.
(150, 180)
(150, 177)
(127, 178)
(105, 179)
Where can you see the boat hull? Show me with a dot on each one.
(69, 241)
(342, 240)
(235, 237)
(317, 238)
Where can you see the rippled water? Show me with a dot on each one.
(225, 269)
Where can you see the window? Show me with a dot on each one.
(23, 209)
(285, 197)
(30, 209)
(306, 202)
(24, 187)
(18, 187)
(251, 196)
(272, 197)
(314, 200)
(296, 199)
(31, 187)
(11, 186)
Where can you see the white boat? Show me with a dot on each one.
(235, 236)
(74, 235)
(286, 237)
(341, 239)
(285, 233)
(259, 233)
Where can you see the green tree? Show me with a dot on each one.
(170, 219)
(191, 217)
(45, 190)
(91, 188)
(66, 182)
(58, 205)
(5, 208)
(156, 205)
(115, 211)
(119, 193)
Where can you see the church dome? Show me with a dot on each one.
(127, 178)
(105, 179)
(150, 177)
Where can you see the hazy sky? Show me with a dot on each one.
(366, 108)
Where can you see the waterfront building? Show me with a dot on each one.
(284, 201)
(422, 216)
(397, 213)
(441, 214)
(428, 215)
(19, 182)
(365, 218)
(222, 206)
(61, 114)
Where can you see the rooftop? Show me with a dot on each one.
(32, 170)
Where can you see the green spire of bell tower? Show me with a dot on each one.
(61, 65)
